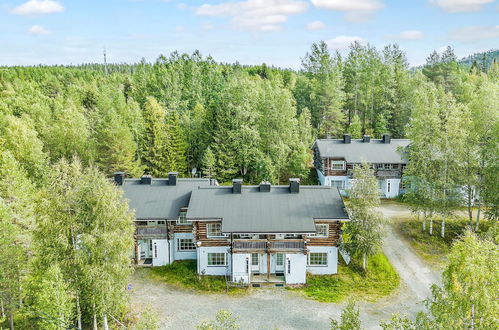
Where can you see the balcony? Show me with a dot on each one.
(388, 173)
(287, 245)
(272, 245)
(148, 232)
(249, 244)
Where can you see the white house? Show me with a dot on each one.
(250, 234)
(334, 160)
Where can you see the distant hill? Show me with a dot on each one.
(483, 59)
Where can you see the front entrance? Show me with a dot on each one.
(255, 263)
(279, 263)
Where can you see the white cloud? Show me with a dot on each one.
(475, 33)
(356, 10)
(255, 15)
(182, 5)
(38, 30)
(207, 26)
(411, 35)
(343, 42)
(456, 6)
(180, 28)
(38, 7)
(316, 25)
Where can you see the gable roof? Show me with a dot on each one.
(276, 211)
(358, 151)
(159, 200)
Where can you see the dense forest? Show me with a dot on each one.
(65, 130)
(188, 111)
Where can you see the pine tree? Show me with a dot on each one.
(155, 138)
(175, 148)
(116, 148)
(208, 163)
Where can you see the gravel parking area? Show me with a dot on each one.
(278, 308)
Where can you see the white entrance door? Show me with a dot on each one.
(160, 252)
(279, 263)
(255, 263)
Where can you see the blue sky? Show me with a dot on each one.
(277, 32)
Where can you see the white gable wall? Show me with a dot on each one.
(332, 260)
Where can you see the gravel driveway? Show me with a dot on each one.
(277, 308)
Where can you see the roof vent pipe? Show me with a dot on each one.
(237, 186)
(366, 139)
(119, 178)
(146, 179)
(172, 178)
(265, 186)
(387, 138)
(294, 185)
(347, 138)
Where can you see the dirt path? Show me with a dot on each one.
(277, 308)
(413, 271)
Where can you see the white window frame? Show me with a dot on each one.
(182, 243)
(379, 166)
(387, 166)
(316, 234)
(210, 229)
(337, 162)
(342, 185)
(182, 220)
(323, 256)
(279, 259)
(218, 255)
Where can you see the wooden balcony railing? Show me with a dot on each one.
(248, 244)
(151, 232)
(275, 245)
(287, 245)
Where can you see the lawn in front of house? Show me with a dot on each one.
(433, 248)
(183, 274)
(351, 281)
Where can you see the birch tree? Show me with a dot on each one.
(86, 228)
(365, 230)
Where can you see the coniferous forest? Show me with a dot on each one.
(188, 111)
(65, 129)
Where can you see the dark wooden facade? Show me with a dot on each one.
(333, 238)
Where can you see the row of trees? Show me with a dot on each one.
(65, 245)
(454, 130)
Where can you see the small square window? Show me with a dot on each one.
(322, 230)
(186, 244)
(317, 259)
(182, 220)
(337, 165)
(214, 230)
(217, 259)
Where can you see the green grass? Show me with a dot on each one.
(380, 280)
(183, 274)
(433, 248)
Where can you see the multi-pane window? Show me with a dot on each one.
(214, 230)
(186, 244)
(338, 165)
(217, 259)
(254, 259)
(379, 166)
(182, 217)
(388, 166)
(279, 259)
(317, 259)
(321, 230)
(338, 184)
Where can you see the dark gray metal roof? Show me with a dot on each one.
(159, 200)
(357, 151)
(277, 211)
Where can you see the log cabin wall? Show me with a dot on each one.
(333, 235)
(327, 168)
(201, 235)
